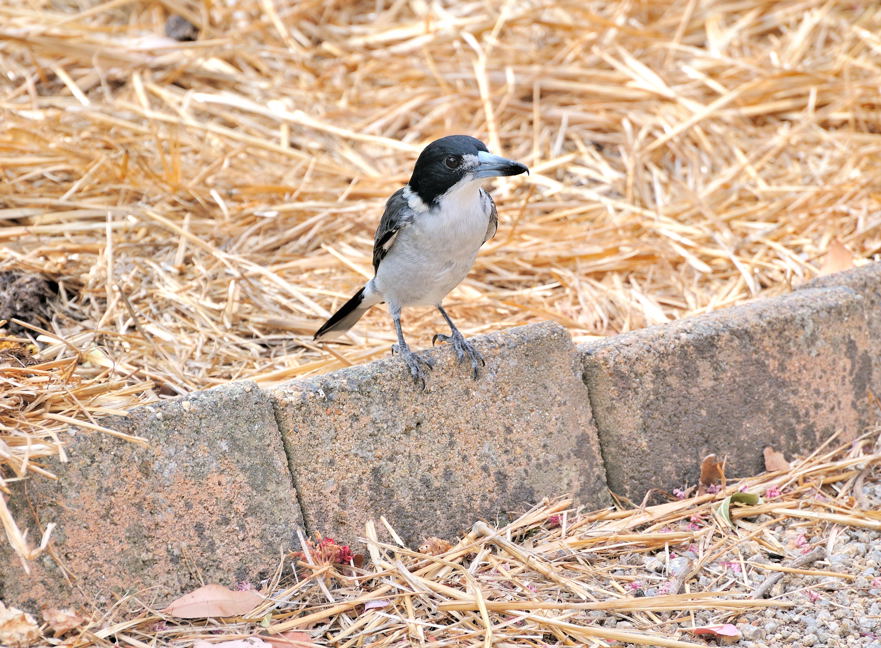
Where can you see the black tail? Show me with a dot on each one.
(345, 317)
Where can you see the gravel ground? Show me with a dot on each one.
(839, 609)
(789, 558)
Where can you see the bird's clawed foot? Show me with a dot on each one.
(416, 364)
(462, 347)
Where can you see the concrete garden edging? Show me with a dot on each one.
(208, 499)
(232, 472)
(787, 372)
(364, 442)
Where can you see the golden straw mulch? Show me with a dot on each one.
(557, 575)
(42, 393)
(203, 205)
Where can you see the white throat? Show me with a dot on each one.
(462, 196)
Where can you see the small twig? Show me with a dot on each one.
(481, 530)
(802, 561)
(679, 572)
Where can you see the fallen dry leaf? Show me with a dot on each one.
(725, 632)
(774, 460)
(250, 642)
(837, 259)
(712, 471)
(291, 639)
(61, 621)
(434, 546)
(17, 629)
(214, 601)
(376, 604)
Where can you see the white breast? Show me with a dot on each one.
(433, 255)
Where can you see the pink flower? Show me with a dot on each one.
(733, 565)
(344, 554)
(695, 522)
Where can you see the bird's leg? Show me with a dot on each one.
(414, 363)
(460, 345)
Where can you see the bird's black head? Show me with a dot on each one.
(456, 159)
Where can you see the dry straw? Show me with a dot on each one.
(554, 575)
(204, 205)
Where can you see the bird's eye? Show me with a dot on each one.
(452, 161)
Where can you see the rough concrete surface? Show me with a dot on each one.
(785, 372)
(865, 281)
(365, 441)
(210, 500)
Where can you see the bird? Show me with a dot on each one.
(427, 240)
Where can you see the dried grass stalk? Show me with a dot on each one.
(204, 205)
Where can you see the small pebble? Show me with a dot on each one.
(867, 623)
(181, 29)
(854, 549)
(679, 565)
(751, 632)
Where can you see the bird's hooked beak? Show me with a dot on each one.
(490, 166)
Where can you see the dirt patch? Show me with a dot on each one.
(25, 297)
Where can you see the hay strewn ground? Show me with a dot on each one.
(203, 206)
(562, 577)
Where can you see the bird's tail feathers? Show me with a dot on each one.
(350, 312)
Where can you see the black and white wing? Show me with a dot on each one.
(397, 214)
(489, 206)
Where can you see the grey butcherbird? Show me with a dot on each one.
(428, 239)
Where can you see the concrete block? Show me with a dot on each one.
(786, 372)
(365, 441)
(210, 500)
(866, 282)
